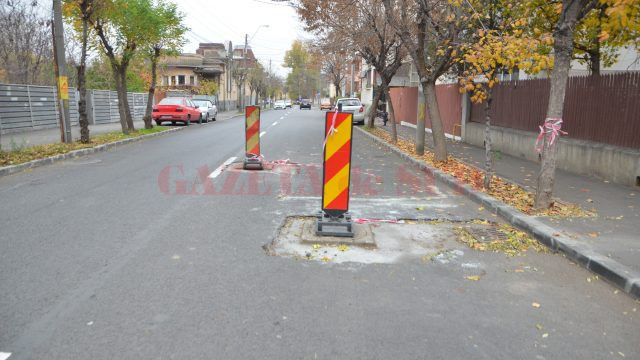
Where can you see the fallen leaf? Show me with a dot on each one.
(590, 200)
(420, 208)
(326, 259)
(481, 208)
(621, 353)
(316, 246)
(343, 247)
(535, 305)
(539, 327)
(545, 335)
(585, 190)
(593, 234)
(473, 277)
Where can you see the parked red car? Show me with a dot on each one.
(176, 109)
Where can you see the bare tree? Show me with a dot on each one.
(429, 30)
(360, 25)
(25, 44)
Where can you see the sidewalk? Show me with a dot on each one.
(614, 232)
(52, 135)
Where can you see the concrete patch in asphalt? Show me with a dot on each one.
(377, 242)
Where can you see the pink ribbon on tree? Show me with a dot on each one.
(551, 126)
(332, 128)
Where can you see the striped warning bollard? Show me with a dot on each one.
(336, 175)
(253, 157)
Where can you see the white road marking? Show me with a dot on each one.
(274, 124)
(218, 171)
(281, 117)
(262, 133)
(4, 355)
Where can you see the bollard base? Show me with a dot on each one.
(340, 225)
(252, 164)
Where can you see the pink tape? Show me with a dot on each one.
(551, 126)
(373, 221)
(332, 129)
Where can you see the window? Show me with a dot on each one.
(170, 101)
(192, 80)
(173, 80)
(180, 79)
(349, 102)
(165, 80)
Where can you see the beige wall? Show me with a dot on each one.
(175, 71)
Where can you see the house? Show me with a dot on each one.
(210, 62)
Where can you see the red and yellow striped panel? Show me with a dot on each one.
(337, 162)
(252, 130)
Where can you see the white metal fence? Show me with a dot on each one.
(32, 107)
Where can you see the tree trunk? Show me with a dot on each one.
(119, 91)
(374, 108)
(82, 87)
(152, 89)
(488, 155)
(431, 104)
(125, 100)
(594, 56)
(392, 116)
(563, 49)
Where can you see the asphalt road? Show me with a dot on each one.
(118, 255)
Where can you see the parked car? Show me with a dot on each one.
(207, 109)
(288, 103)
(279, 104)
(354, 106)
(325, 104)
(305, 104)
(176, 109)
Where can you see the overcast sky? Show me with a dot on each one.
(223, 20)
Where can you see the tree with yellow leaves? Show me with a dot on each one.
(500, 44)
(623, 15)
(599, 36)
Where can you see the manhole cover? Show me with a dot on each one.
(485, 234)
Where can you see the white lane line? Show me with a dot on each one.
(218, 171)
(274, 124)
(281, 117)
(4, 356)
(262, 133)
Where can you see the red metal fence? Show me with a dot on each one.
(603, 109)
(405, 105)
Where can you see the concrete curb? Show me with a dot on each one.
(620, 275)
(12, 169)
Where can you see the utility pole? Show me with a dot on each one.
(244, 78)
(270, 85)
(61, 73)
(353, 69)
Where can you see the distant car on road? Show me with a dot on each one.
(305, 104)
(207, 109)
(325, 104)
(354, 106)
(176, 109)
(287, 103)
(279, 104)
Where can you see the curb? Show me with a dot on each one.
(12, 169)
(620, 275)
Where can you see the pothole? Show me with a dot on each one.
(395, 241)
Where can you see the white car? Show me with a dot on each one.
(287, 103)
(207, 109)
(354, 106)
(279, 104)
